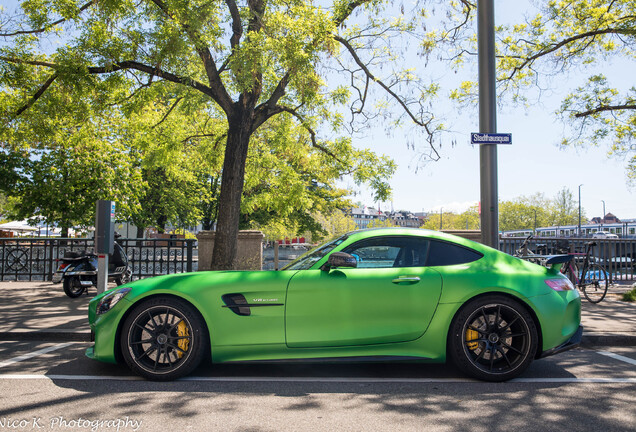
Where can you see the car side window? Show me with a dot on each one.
(386, 252)
(442, 253)
(375, 256)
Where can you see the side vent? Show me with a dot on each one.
(235, 302)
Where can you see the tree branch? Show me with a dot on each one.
(603, 108)
(340, 18)
(561, 44)
(37, 95)
(237, 27)
(386, 88)
(218, 92)
(174, 105)
(43, 29)
(124, 65)
(314, 142)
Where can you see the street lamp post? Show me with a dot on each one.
(580, 210)
(440, 218)
(603, 219)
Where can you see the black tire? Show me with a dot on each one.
(124, 278)
(596, 284)
(163, 338)
(72, 287)
(493, 338)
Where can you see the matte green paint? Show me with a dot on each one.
(349, 312)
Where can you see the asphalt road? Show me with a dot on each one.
(52, 386)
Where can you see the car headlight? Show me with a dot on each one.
(111, 299)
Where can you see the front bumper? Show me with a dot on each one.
(573, 342)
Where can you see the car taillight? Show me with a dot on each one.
(560, 284)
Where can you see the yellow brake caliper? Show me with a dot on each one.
(182, 330)
(472, 335)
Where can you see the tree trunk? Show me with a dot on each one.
(232, 178)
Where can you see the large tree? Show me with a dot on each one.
(253, 60)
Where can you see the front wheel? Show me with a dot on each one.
(596, 283)
(72, 287)
(163, 338)
(493, 338)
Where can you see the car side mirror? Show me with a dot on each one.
(340, 259)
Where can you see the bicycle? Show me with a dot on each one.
(592, 280)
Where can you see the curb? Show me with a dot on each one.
(616, 339)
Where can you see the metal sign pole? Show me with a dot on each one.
(488, 122)
(104, 240)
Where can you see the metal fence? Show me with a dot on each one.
(617, 256)
(36, 258)
(26, 259)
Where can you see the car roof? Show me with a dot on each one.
(419, 232)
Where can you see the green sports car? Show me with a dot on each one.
(392, 293)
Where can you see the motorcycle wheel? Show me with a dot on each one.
(124, 278)
(72, 287)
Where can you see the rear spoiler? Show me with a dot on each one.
(555, 262)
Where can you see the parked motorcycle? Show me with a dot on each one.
(78, 270)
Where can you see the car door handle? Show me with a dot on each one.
(410, 280)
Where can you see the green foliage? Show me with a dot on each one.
(467, 220)
(377, 223)
(183, 87)
(525, 212)
(630, 296)
(521, 212)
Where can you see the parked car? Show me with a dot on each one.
(391, 293)
(604, 235)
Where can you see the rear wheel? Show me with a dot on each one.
(596, 283)
(163, 339)
(493, 338)
(72, 287)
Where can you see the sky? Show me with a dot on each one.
(533, 163)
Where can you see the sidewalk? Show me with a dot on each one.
(41, 311)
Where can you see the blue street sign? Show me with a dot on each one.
(490, 138)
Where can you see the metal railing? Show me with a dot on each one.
(27, 259)
(617, 256)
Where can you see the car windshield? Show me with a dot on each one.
(307, 260)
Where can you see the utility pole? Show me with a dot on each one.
(603, 219)
(488, 122)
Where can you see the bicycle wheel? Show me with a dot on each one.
(596, 283)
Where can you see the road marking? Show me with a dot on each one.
(34, 354)
(572, 380)
(618, 357)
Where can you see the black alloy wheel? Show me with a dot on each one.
(72, 287)
(163, 338)
(493, 338)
